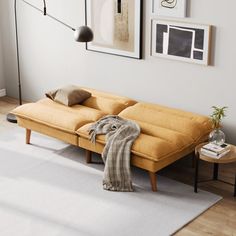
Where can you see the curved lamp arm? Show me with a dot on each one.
(82, 34)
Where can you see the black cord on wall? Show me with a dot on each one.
(44, 8)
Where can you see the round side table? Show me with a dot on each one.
(228, 158)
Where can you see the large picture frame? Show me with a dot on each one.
(117, 27)
(181, 41)
(170, 8)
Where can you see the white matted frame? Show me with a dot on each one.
(117, 27)
(170, 8)
(181, 41)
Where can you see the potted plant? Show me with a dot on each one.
(217, 136)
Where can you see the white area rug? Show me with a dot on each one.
(46, 189)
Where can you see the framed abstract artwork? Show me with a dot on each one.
(172, 8)
(181, 41)
(117, 27)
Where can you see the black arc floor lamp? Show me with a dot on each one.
(82, 34)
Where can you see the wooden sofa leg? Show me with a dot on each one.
(88, 156)
(27, 137)
(153, 180)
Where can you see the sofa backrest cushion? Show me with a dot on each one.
(106, 102)
(155, 120)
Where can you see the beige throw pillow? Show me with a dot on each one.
(69, 95)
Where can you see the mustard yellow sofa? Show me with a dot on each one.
(167, 134)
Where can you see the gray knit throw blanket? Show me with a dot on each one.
(120, 135)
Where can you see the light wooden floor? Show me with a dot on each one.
(218, 220)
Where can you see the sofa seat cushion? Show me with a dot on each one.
(165, 132)
(55, 115)
(148, 146)
(109, 103)
(154, 118)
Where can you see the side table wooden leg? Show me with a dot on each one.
(196, 172)
(215, 171)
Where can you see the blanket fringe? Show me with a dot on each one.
(118, 186)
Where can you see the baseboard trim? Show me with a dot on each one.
(3, 92)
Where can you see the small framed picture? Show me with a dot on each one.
(181, 41)
(170, 8)
(117, 27)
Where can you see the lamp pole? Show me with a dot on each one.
(17, 53)
(11, 117)
(81, 34)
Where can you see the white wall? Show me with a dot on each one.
(2, 80)
(8, 47)
(50, 58)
